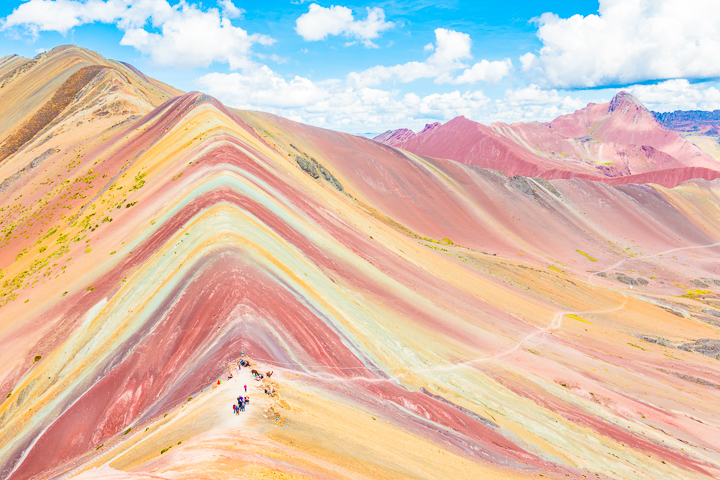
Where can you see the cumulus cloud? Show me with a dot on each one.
(533, 103)
(61, 15)
(336, 105)
(230, 10)
(629, 41)
(261, 88)
(677, 94)
(190, 37)
(485, 71)
(320, 22)
(527, 61)
(449, 52)
(183, 35)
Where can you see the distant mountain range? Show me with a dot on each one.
(704, 122)
(616, 142)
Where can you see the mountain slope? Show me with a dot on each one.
(31, 84)
(620, 139)
(424, 318)
(699, 127)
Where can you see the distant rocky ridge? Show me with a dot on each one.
(617, 142)
(395, 137)
(707, 123)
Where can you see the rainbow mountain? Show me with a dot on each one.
(422, 317)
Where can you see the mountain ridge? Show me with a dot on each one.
(599, 142)
(421, 317)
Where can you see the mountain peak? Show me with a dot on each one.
(395, 137)
(624, 99)
(429, 127)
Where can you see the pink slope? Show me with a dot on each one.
(619, 140)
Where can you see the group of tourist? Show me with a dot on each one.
(241, 402)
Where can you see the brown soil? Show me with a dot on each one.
(61, 99)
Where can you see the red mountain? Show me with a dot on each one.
(620, 140)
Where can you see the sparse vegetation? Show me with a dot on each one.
(586, 255)
(575, 317)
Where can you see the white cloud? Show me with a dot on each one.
(335, 105)
(278, 59)
(230, 10)
(61, 15)
(450, 47)
(262, 88)
(445, 106)
(630, 41)
(320, 22)
(450, 50)
(190, 37)
(527, 61)
(484, 71)
(339, 105)
(677, 95)
(533, 103)
(183, 35)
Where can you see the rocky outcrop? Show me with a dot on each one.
(625, 100)
(703, 122)
(394, 137)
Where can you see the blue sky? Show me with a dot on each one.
(369, 67)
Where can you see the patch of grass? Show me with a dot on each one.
(444, 241)
(555, 269)
(37, 358)
(637, 346)
(586, 255)
(693, 292)
(165, 449)
(575, 317)
(127, 431)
